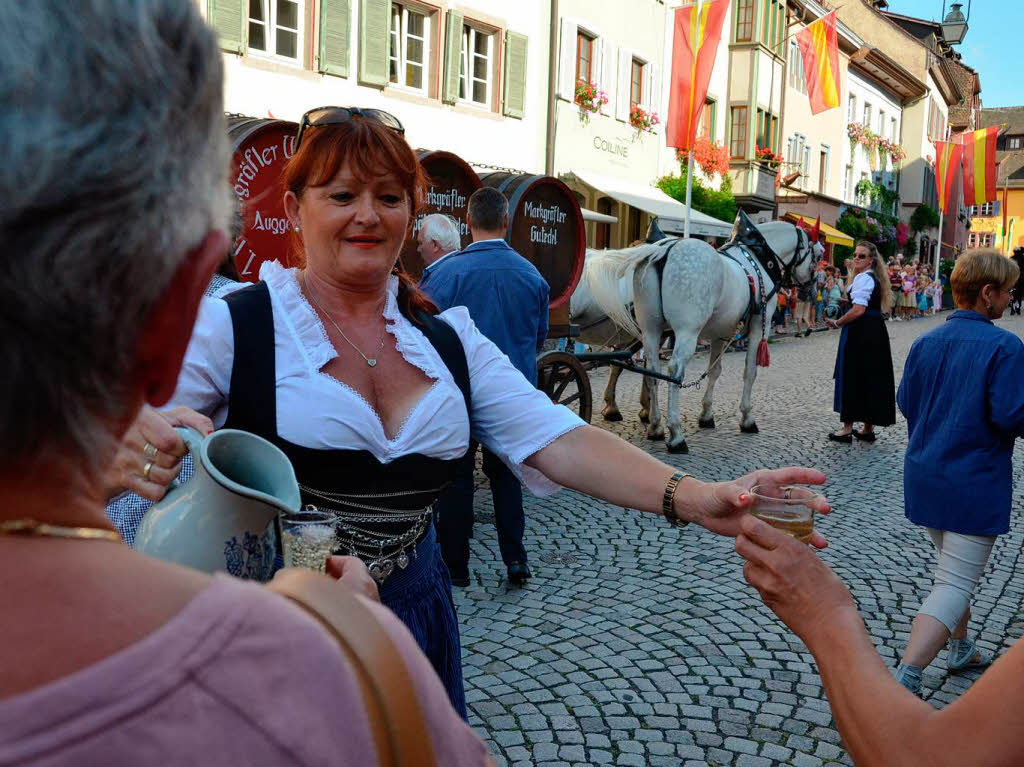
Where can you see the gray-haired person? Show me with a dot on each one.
(115, 208)
(437, 239)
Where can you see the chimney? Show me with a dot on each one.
(880, 5)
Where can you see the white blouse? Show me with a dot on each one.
(510, 417)
(861, 289)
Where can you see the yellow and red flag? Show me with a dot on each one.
(947, 162)
(819, 44)
(980, 166)
(694, 43)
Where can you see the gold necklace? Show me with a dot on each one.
(41, 529)
(371, 361)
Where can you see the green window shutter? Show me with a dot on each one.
(452, 57)
(713, 116)
(335, 33)
(515, 74)
(229, 18)
(374, 41)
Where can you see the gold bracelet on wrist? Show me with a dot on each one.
(667, 500)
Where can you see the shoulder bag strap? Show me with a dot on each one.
(396, 718)
(252, 398)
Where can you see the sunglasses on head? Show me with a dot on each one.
(321, 116)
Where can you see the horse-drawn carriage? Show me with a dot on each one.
(678, 285)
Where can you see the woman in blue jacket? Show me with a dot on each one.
(963, 398)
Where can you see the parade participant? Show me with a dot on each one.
(488, 280)
(802, 312)
(957, 475)
(437, 239)
(881, 724)
(111, 657)
(864, 389)
(345, 365)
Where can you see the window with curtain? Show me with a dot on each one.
(738, 132)
(275, 27)
(476, 78)
(409, 52)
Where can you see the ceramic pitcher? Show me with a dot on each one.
(222, 518)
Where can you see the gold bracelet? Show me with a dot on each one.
(666, 500)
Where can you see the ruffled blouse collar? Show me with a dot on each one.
(309, 330)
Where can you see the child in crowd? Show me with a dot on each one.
(924, 290)
(779, 317)
(909, 303)
(835, 297)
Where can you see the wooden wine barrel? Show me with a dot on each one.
(261, 147)
(546, 227)
(450, 183)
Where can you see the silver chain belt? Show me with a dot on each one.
(382, 552)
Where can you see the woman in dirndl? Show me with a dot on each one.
(864, 391)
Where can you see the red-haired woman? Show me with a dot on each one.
(374, 396)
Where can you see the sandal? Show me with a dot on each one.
(864, 436)
(845, 439)
(972, 657)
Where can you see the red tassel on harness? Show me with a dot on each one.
(764, 358)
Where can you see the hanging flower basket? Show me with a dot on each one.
(642, 120)
(589, 98)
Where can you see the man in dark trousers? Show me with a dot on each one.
(508, 300)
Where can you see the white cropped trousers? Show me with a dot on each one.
(962, 560)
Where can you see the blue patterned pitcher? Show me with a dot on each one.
(222, 518)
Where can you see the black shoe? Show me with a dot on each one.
(846, 439)
(864, 436)
(807, 332)
(519, 573)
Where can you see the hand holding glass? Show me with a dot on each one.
(308, 538)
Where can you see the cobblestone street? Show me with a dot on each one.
(635, 644)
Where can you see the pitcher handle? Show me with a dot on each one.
(193, 442)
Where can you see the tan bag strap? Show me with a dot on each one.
(396, 718)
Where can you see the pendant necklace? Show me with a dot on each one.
(371, 361)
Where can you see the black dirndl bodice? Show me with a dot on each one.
(385, 508)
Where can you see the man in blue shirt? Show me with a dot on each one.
(438, 238)
(508, 300)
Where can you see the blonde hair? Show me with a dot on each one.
(978, 268)
(881, 273)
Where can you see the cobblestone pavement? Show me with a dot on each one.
(636, 644)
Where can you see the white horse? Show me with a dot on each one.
(688, 287)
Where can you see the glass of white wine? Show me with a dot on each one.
(308, 538)
(787, 508)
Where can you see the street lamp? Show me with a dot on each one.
(954, 26)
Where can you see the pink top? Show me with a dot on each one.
(239, 677)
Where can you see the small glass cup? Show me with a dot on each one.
(308, 538)
(787, 508)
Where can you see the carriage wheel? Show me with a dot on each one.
(561, 376)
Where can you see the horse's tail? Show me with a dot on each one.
(603, 272)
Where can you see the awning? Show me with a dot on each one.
(601, 218)
(832, 234)
(652, 200)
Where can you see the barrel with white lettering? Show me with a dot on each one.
(546, 227)
(450, 182)
(261, 149)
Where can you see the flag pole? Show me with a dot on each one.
(689, 161)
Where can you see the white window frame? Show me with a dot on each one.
(270, 32)
(848, 184)
(851, 109)
(823, 185)
(466, 79)
(402, 10)
(881, 122)
(892, 123)
(867, 114)
(1014, 142)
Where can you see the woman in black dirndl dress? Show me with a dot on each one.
(865, 391)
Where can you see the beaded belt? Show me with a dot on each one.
(381, 551)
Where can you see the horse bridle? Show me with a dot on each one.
(805, 252)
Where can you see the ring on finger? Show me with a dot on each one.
(149, 450)
(146, 469)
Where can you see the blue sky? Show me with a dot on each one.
(991, 45)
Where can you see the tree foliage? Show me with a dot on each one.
(924, 217)
(717, 203)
